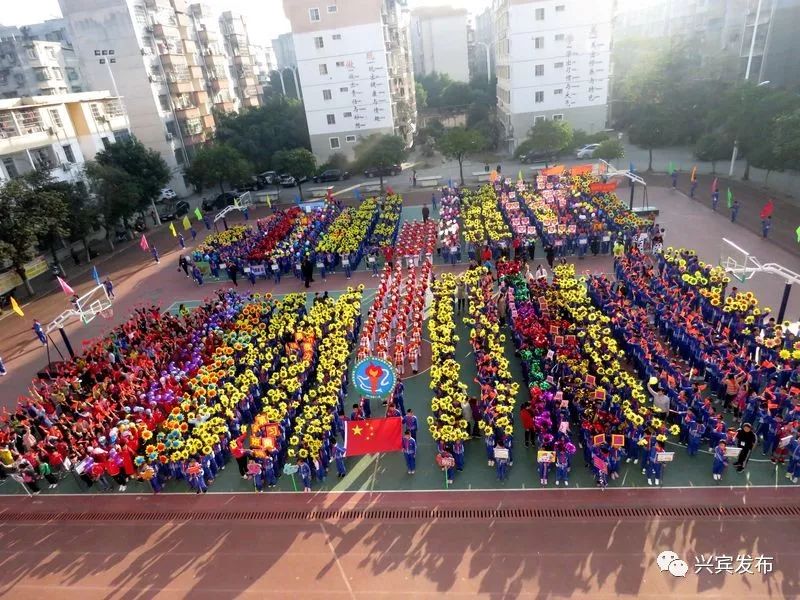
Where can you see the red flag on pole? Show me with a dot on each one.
(373, 435)
(65, 287)
(143, 243)
(389, 191)
(600, 464)
(766, 211)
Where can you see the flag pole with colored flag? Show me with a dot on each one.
(693, 177)
(172, 230)
(198, 214)
(730, 198)
(65, 287)
(671, 168)
(373, 435)
(96, 275)
(187, 224)
(15, 307)
(766, 211)
(143, 243)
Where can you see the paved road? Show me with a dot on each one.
(457, 556)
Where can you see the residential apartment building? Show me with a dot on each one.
(354, 66)
(213, 58)
(263, 65)
(240, 59)
(34, 65)
(720, 33)
(145, 51)
(484, 43)
(553, 62)
(283, 46)
(439, 42)
(57, 133)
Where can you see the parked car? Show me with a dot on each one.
(249, 185)
(166, 195)
(221, 201)
(176, 211)
(287, 180)
(266, 178)
(587, 151)
(385, 171)
(331, 175)
(536, 156)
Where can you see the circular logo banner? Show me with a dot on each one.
(374, 377)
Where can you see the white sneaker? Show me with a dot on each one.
(644, 471)
(558, 482)
(566, 483)
(658, 482)
(649, 482)
(627, 460)
(635, 461)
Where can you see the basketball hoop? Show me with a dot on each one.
(107, 313)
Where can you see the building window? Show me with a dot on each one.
(343, 90)
(139, 14)
(331, 119)
(106, 143)
(539, 119)
(57, 73)
(332, 8)
(11, 167)
(558, 65)
(51, 53)
(538, 97)
(313, 14)
(70, 156)
(538, 70)
(323, 69)
(319, 43)
(337, 36)
(350, 138)
(55, 117)
(326, 95)
(334, 143)
(163, 100)
(558, 91)
(95, 108)
(560, 8)
(558, 117)
(347, 115)
(538, 43)
(32, 53)
(559, 37)
(539, 14)
(339, 63)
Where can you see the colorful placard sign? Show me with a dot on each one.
(374, 377)
(545, 456)
(617, 440)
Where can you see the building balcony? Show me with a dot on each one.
(158, 5)
(182, 86)
(183, 18)
(225, 106)
(208, 122)
(187, 112)
(194, 138)
(165, 30)
(251, 101)
(196, 72)
(172, 61)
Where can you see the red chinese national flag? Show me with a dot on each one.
(374, 435)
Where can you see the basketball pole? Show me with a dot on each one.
(66, 342)
(787, 288)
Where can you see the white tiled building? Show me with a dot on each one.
(354, 67)
(553, 62)
(439, 42)
(57, 133)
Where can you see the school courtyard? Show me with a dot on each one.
(379, 532)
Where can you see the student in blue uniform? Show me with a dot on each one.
(501, 464)
(320, 468)
(458, 454)
(544, 472)
(411, 423)
(562, 467)
(490, 444)
(305, 474)
(720, 461)
(339, 452)
(654, 468)
(269, 471)
(695, 437)
(410, 452)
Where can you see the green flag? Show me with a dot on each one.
(797, 231)
(671, 168)
(730, 198)
(197, 213)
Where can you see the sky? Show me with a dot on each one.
(265, 18)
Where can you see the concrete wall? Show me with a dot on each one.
(321, 143)
(588, 118)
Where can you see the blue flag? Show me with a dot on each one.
(358, 194)
(297, 199)
(450, 183)
(96, 276)
(632, 169)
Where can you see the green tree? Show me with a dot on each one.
(786, 139)
(116, 194)
(650, 129)
(217, 164)
(713, 147)
(434, 85)
(299, 163)
(144, 165)
(380, 151)
(609, 150)
(421, 95)
(751, 110)
(458, 143)
(547, 137)
(260, 132)
(27, 214)
(55, 204)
